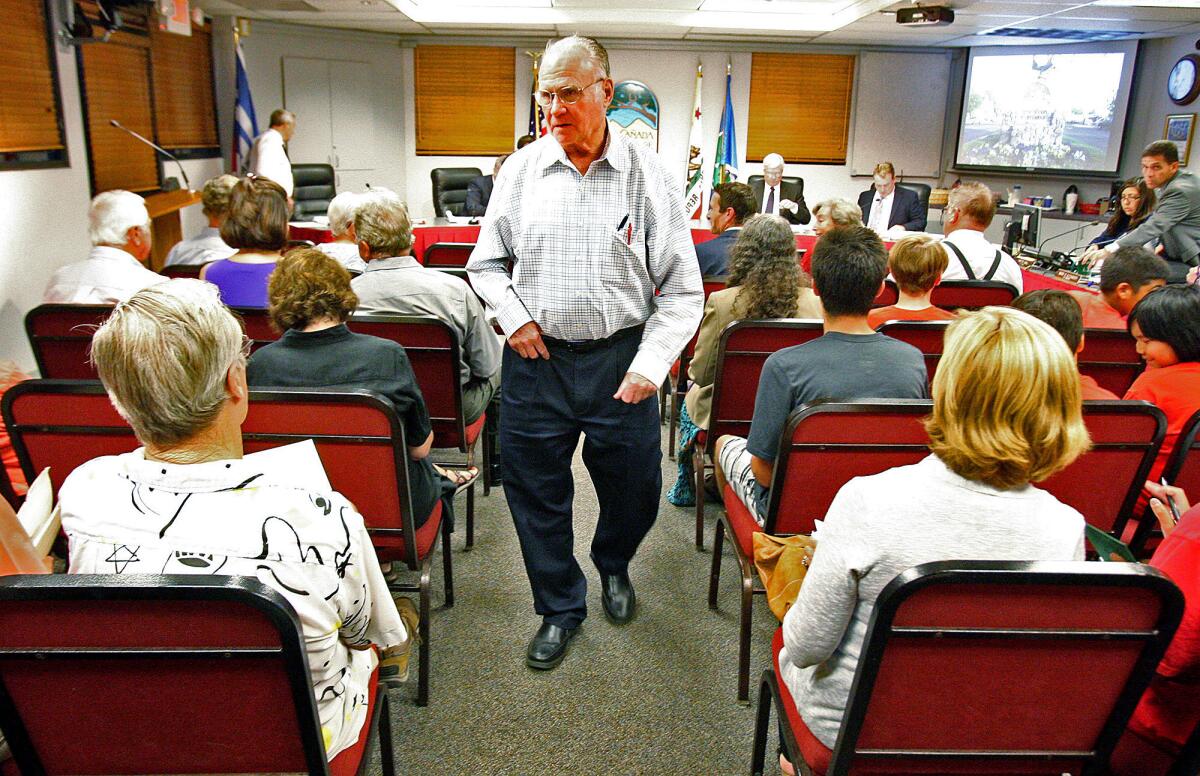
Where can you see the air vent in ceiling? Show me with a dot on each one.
(1023, 32)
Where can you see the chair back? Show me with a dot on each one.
(435, 354)
(315, 186)
(1110, 357)
(744, 348)
(1183, 467)
(712, 284)
(361, 442)
(1104, 483)
(182, 271)
(888, 295)
(922, 190)
(790, 180)
(450, 188)
(447, 255)
(60, 336)
(256, 323)
(63, 424)
(971, 294)
(1004, 667)
(81, 691)
(828, 443)
(925, 336)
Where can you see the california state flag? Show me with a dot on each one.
(693, 197)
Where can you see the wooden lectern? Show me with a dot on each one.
(164, 219)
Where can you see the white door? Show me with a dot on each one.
(306, 93)
(352, 115)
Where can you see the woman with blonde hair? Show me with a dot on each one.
(764, 282)
(1006, 413)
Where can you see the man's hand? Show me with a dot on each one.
(635, 388)
(1092, 255)
(788, 205)
(527, 341)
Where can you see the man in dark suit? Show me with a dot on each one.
(731, 204)
(777, 198)
(884, 206)
(479, 190)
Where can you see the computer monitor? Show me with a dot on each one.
(1024, 228)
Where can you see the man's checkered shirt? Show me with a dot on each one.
(577, 274)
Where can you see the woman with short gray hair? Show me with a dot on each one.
(832, 213)
(343, 248)
(173, 360)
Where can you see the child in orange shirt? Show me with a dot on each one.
(916, 263)
(1166, 325)
(1058, 309)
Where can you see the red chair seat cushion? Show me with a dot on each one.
(816, 754)
(741, 521)
(390, 547)
(347, 761)
(474, 430)
(701, 439)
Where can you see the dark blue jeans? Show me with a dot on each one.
(546, 404)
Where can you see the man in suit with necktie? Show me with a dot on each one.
(775, 197)
(888, 209)
(1175, 221)
(479, 190)
(731, 204)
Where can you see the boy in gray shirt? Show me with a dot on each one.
(850, 361)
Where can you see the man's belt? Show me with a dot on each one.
(587, 346)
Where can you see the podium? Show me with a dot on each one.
(165, 224)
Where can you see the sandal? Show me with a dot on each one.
(462, 478)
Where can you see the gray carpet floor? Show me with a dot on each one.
(656, 696)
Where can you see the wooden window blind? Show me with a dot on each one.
(464, 100)
(184, 110)
(116, 85)
(29, 109)
(800, 107)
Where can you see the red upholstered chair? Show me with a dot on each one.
(925, 336)
(825, 445)
(972, 294)
(435, 354)
(361, 442)
(1181, 470)
(182, 271)
(1110, 357)
(678, 377)
(447, 254)
(1104, 483)
(741, 353)
(65, 423)
(60, 336)
(106, 674)
(986, 667)
(888, 296)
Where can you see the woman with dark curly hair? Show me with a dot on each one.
(1137, 203)
(310, 300)
(765, 281)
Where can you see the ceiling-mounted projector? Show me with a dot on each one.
(925, 16)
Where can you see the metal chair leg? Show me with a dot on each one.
(447, 566)
(470, 519)
(387, 758)
(714, 576)
(762, 721)
(698, 468)
(747, 602)
(423, 630)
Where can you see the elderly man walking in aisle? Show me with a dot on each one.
(594, 227)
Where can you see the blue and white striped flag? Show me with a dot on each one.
(725, 165)
(245, 125)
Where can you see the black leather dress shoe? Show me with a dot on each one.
(616, 592)
(548, 646)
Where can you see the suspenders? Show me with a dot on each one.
(966, 265)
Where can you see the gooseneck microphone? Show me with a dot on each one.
(1064, 234)
(156, 147)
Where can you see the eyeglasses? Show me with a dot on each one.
(568, 95)
(1130, 197)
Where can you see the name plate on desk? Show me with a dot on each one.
(1067, 276)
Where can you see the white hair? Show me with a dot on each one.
(578, 48)
(113, 214)
(772, 160)
(341, 211)
(381, 221)
(842, 212)
(163, 356)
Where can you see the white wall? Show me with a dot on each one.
(43, 224)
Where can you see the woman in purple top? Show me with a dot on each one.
(257, 225)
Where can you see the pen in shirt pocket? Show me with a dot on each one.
(628, 227)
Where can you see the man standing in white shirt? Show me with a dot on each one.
(593, 227)
(269, 158)
(778, 197)
(969, 211)
(119, 228)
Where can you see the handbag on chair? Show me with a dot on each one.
(782, 563)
